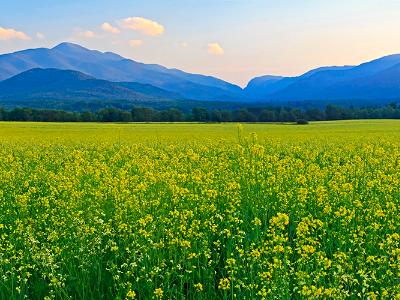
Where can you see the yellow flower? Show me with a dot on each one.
(255, 253)
(199, 287)
(280, 220)
(131, 295)
(224, 284)
(230, 262)
(159, 293)
(257, 222)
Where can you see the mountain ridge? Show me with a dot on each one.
(375, 80)
(60, 85)
(112, 67)
(324, 83)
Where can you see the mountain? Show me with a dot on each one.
(61, 85)
(265, 86)
(69, 72)
(384, 85)
(112, 67)
(377, 80)
(150, 90)
(75, 91)
(321, 69)
(316, 86)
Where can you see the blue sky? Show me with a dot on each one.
(231, 39)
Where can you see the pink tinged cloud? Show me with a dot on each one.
(12, 34)
(135, 43)
(107, 27)
(215, 49)
(145, 26)
(86, 34)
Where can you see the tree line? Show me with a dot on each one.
(199, 114)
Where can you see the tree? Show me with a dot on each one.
(171, 115)
(200, 114)
(296, 114)
(333, 112)
(285, 116)
(267, 115)
(112, 115)
(2, 114)
(226, 116)
(144, 114)
(315, 114)
(87, 116)
(126, 116)
(216, 116)
(243, 115)
(21, 114)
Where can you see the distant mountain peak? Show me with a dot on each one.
(69, 46)
(113, 55)
(266, 78)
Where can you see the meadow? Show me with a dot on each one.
(200, 211)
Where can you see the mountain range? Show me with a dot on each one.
(47, 84)
(377, 80)
(112, 67)
(70, 72)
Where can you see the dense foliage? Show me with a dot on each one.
(200, 211)
(199, 114)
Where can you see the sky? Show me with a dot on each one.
(234, 40)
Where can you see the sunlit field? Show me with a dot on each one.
(200, 211)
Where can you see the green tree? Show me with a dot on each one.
(200, 114)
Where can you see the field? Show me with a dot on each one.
(200, 211)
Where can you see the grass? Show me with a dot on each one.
(200, 211)
(137, 132)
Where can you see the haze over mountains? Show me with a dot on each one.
(69, 72)
(47, 84)
(112, 67)
(376, 80)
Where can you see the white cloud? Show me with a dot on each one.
(86, 34)
(215, 49)
(11, 34)
(135, 43)
(143, 25)
(107, 27)
(40, 36)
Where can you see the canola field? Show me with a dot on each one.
(200, 211)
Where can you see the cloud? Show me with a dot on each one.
(215, 49)
(143, 25)
(135, 43)
(40, 36)
(12, 34)
(184, 45)
(107, 27)
(86, 34)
